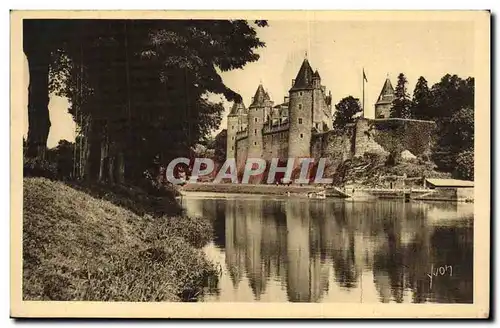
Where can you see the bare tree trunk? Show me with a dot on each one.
(111, 169)
(104, 156)
(38, 101)
(111, 161)
(120, 167)
(88, 148)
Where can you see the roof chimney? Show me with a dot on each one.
(293, 82)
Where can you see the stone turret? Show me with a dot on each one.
(300, 112)
(261, 103)
(236, 121)
(384, 102)
(316, 80)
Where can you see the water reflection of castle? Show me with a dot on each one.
(306, 245)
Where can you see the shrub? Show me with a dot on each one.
(374, 157)
(394, 158)
(37, 167)
(465, 165)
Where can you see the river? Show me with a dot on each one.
(286, 249)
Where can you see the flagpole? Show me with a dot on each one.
(363, 77)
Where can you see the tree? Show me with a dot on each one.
(451, 94)
(401, 103)
(465, 165)
(139, 89)
(220, 146)
(453, 111)
(39, 38)
(63, 157)
(345, 111)
(456, 136)
(421, 105)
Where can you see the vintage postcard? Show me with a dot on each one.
(250, 164)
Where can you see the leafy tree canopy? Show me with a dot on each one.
(345, 111)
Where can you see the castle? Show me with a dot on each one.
(301, 126)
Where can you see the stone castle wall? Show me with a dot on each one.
(241, 153)
(364, 141)
(275, 143)
(364, 136)
(335, 146)
(386, 135)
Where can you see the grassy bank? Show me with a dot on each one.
(77, 246)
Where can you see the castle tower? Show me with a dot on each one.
(384, 103)
(322, 111)
(256, 118)
(301, 112)
(236, 121)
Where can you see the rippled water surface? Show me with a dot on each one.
(279, 249)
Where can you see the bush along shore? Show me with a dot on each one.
(81, 243)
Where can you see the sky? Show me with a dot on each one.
(339, 50)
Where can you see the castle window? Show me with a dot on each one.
(300, 106)
(300, 93)
(232, 147)
(232, 138)
(301, 136)
(255, 131)
(232, 127)
(255, 143)
(300, 120)
(256, 120)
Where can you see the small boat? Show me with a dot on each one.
(317, 195)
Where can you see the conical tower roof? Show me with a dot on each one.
(387, 94)
(266, 96)
(260, 97)
(304, 77)
(238, 108)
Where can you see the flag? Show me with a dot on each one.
(364, 75)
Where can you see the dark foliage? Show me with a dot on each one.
(345, 111)
(421, 104)
(453, 110)
(401, 103)
(38, 167)
(138, 88)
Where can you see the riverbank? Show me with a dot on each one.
(257, 189)
(79, 247)
(355, 192)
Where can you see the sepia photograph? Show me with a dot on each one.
(289, 164)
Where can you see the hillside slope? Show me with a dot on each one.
(371, 171)
(77, 247)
